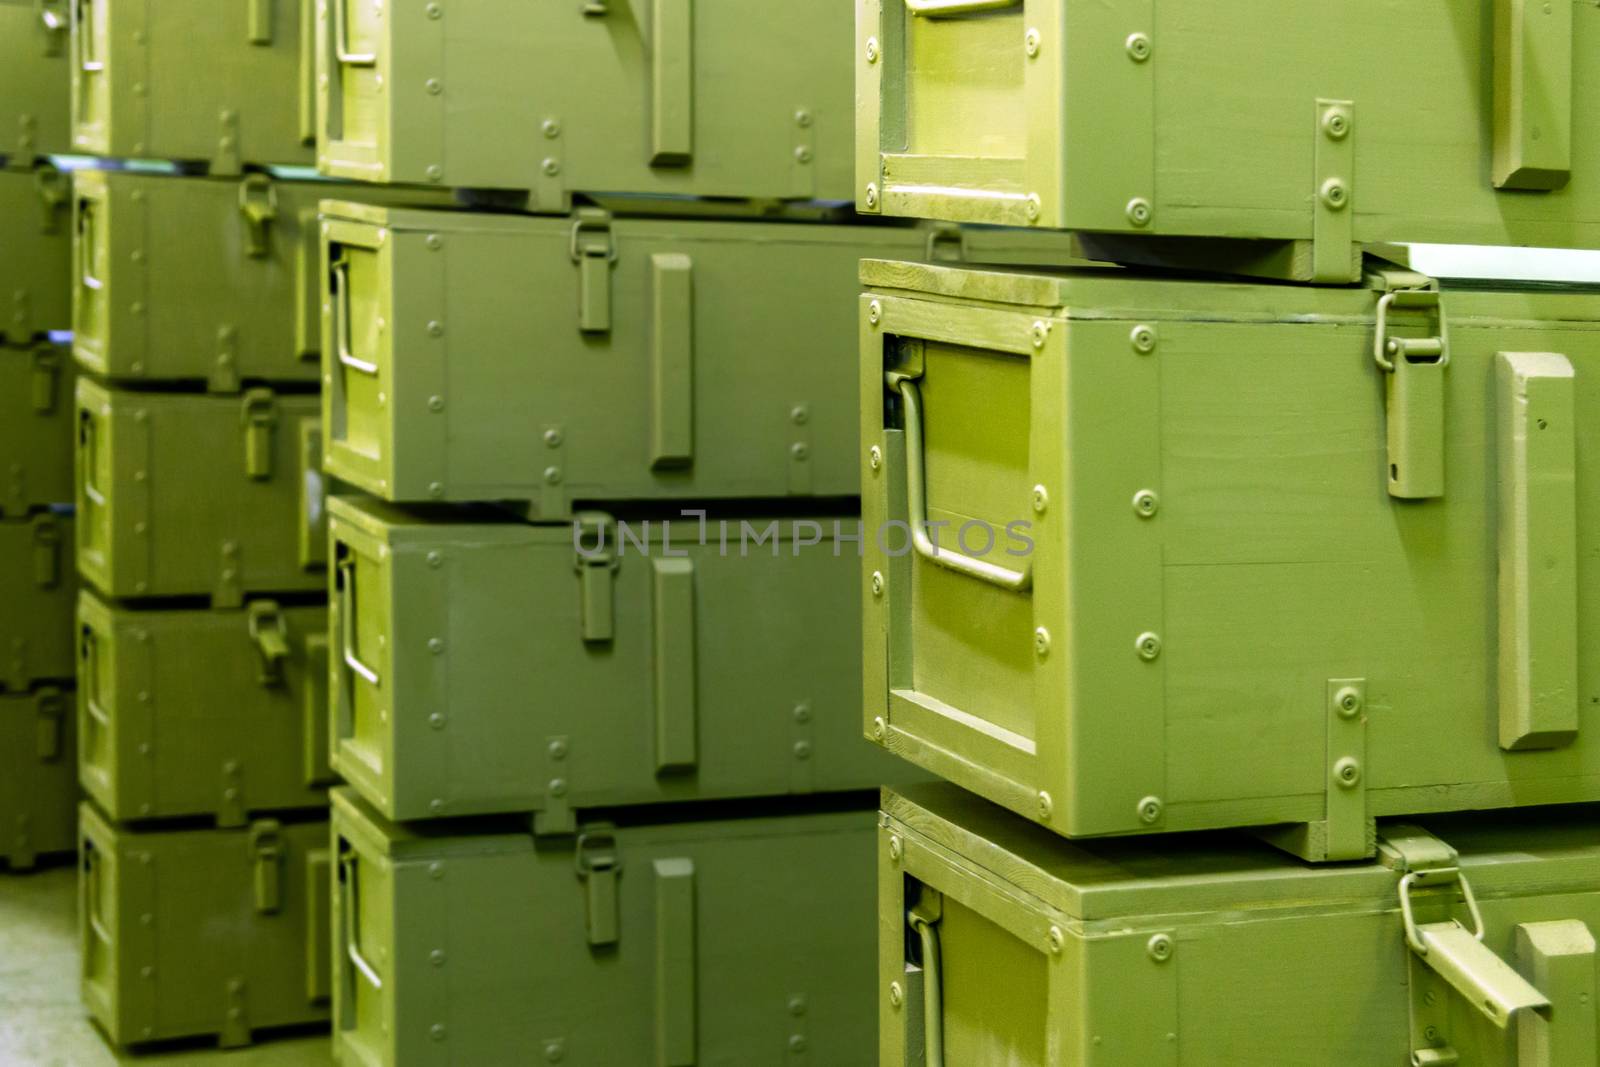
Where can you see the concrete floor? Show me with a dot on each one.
(41, 1022)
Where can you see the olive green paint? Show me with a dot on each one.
(1143, 120)
(458, 365)
(1222, 548)
(1053, 953)
(222, 84)
(185, 494)
(38, 783)
(192, 933)
(202, 713)
(214, 280)
(712, 98)
(481, 665)
(39, 587)
(36, 271)
(36, 384)
(736, 940)
(34, 78)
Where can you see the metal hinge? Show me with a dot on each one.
(46, 374)
(594, 541)
(266, 849)
(599, 866)
(46, 550)
(258, 202)
(258, 414)
(270, 632)
(1445, 951)
(1414, 383)
(594, 250)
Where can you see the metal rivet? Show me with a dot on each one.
(1347, 772)
(797, 1043)
(1047, 806)
(434, 11)
(1040, 333)
(1140, 211)
(551, 128)
(436, 490)
(874, 312)
(875, 457)
(872, 49)
(552, 438)
(1034, 207)
(1058, 940)
(802, 154)
(797, 1006)
(554, 1051)
(1160, 948)
(434, 242)
(1335, 194)
(802, 118)
(1144, 339)
(799, 450)
(436, 721)
(435, 559)
(895, 849)
(1146, 503)
(1041, 499)
(872, 194)
(1138, 45)
(896, 996)
(436, 1031)
(435, 172)
(435, 329)
(877, 583)
(1148, 644)
(1041, 641)
(433, 86)
(802, 750)
(879, 728)
(1150, 809)
(552, 475)
(1336, 124)
(1030, 43)
(435, 645)
(802, 713)
(436, 806)
(436, 404)
(558, 749)
(558, 787)
(1348, 701)
(436, 957)
(551, 167)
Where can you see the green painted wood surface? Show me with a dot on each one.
(496, 687)
(168, 503)
(36, 383)
(1263, 953)
(234, 739)
(723, 98)
(481, 942)
(665, 402)
(1206, 120)
(174, 934)
(1215, 541)
(39, 587)
(36, 272)
(222, 84)
(184, 279)
(34, 78)
(38, 777)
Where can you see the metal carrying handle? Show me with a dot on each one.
(86, 61)
(89, 456)
(341, 38)
(90, 681)
(932, 991)
(342, 337)
(86, 247)
(347, 622)
(939, 8)
(91, 898)
(347, 894)
(1412, 937)
(917, 506)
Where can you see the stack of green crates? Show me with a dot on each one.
(1297, 566)
(595, 660)
(38, 786)
(201, 524)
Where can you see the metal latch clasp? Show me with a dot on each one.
(266, 846)
(270, 632)
(259, 416)
(599, 866)
(594, 542)
(1414, 369)
(594, 251)
(258, 202)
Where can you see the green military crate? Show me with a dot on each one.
(224, 84)
(1236, 120)
(184, 494)
(36, 271)
(629, 377)
(707, 941)
(720, 98)
(245, 734)
(1213, 556)
(999, 943)
(38, 589)
(36, 385)
(34, 78)
(201, 932)
(38, 784)
(491, 666)
(210, 280)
